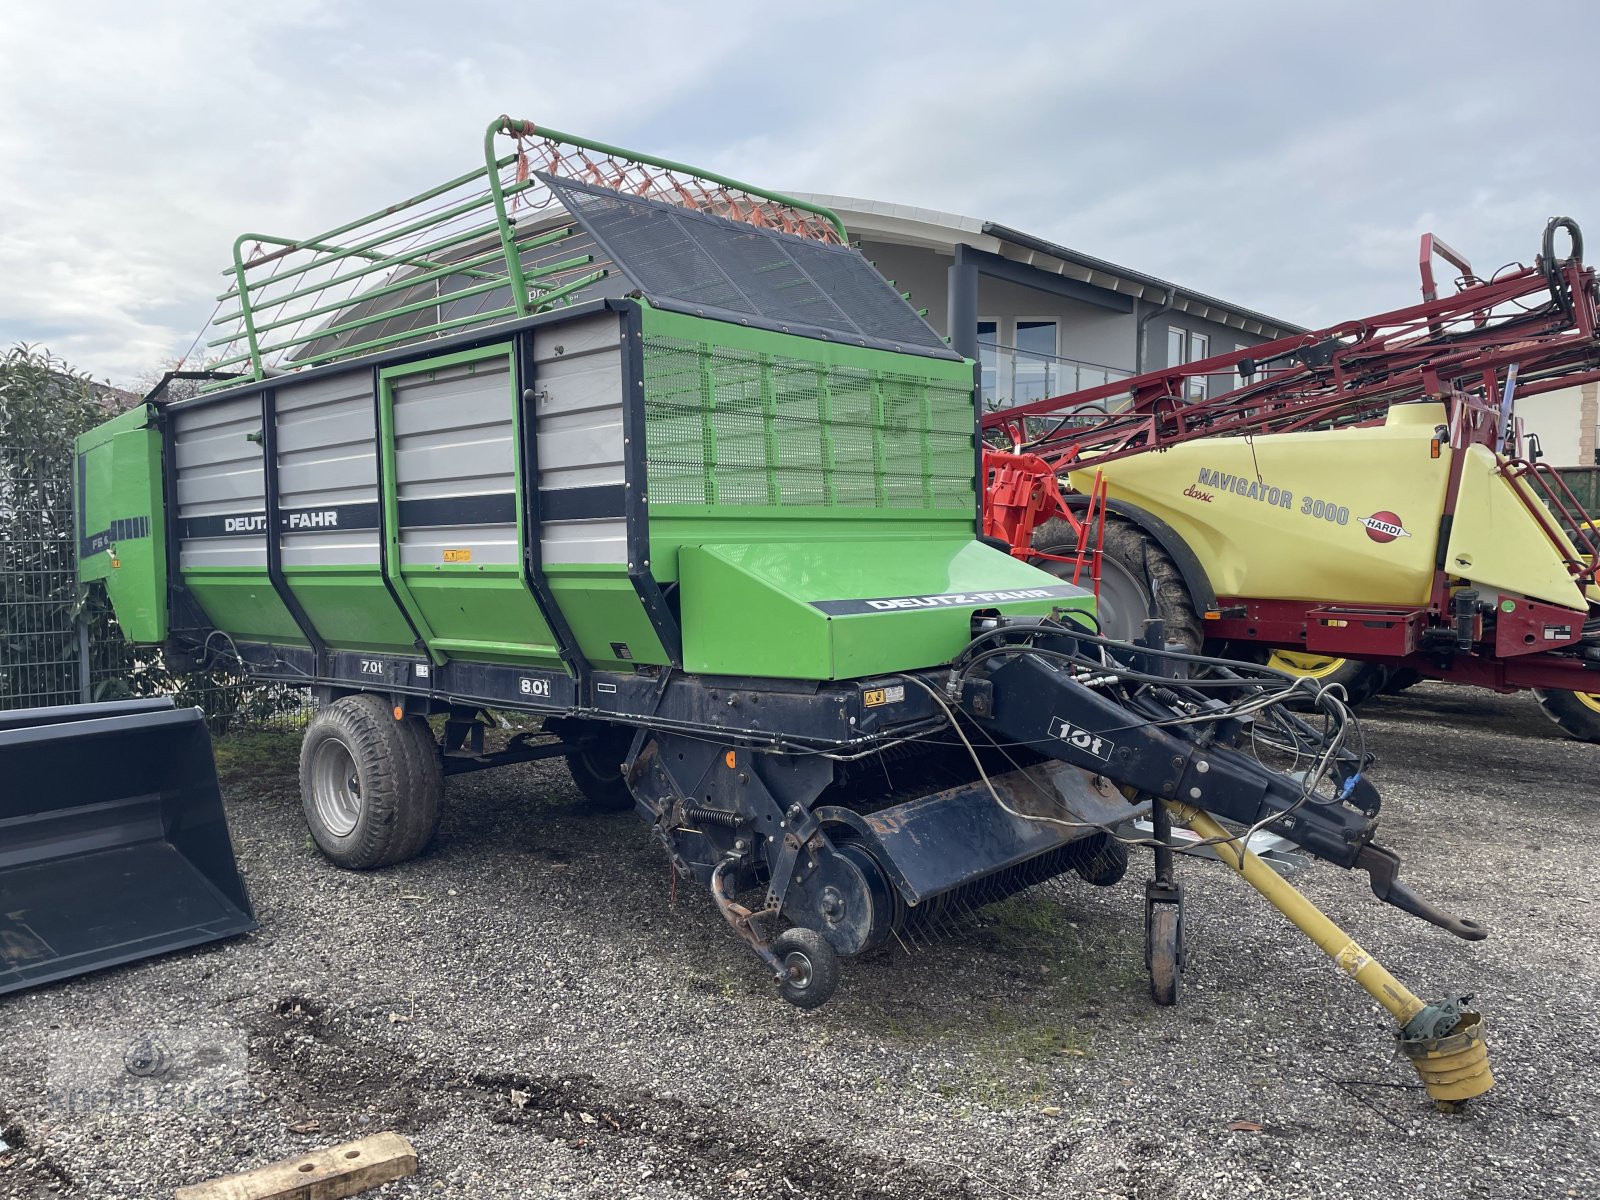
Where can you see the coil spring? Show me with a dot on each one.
(712, 816)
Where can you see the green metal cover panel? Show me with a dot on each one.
(843, 610)
(351, 609)
(603, 611)
(243, 603)
(753, 435)
(121, 520)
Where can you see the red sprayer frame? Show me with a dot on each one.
(1523, 332)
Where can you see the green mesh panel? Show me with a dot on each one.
(727, 426)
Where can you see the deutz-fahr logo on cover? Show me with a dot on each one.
(1384, 526)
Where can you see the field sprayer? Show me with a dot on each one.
(655, 456)
(1361, 503)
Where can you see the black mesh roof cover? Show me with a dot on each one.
(698, 263)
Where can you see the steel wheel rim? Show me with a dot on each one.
(1304, 663)
(798, 968)
(1590, 700)
(336, 788)
(1124, 602)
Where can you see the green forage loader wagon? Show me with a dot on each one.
(655, 456)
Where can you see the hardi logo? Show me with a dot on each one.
(1384, 526)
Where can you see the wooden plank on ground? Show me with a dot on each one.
(320, 1175)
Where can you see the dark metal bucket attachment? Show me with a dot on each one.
(113, 842)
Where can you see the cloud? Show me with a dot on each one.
(1278, 156)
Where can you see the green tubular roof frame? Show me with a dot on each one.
(256, 317)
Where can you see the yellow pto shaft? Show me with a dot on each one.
(1453, 1067)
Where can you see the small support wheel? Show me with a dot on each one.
(809, 966)
(1164, 952)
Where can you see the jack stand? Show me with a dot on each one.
(1163, 916)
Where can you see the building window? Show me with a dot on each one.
(1199, 347)
(1036, 371)
(989, 363)
(1185, 347)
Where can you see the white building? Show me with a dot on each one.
(1565, 424)
(1044, 319)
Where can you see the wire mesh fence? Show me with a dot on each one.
(42, 650)
(59, 642)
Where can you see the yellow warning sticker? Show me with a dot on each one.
(462, 555)
(877, 697)
(1352, 958)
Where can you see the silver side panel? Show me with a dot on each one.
(218, 474)
(489, 545)
(578, 389)
(586, 542)
(327, 455)
(454, 441)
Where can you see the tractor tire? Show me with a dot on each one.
(1361, 680)
(372, 787)
(1401, 678)
(1576, 712)
(1135, 573)
(596, 770)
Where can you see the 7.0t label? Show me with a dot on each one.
(1082, 739)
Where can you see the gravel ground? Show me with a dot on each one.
(533, 1009)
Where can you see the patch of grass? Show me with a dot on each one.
(1077, 965)
(268, 757)
(1012, 1052)
(1026, 925)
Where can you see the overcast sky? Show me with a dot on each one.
(1282, 156)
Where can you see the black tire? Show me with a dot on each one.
(596, 768)
(1576, 712)
(1360, 680)
(1401, 678)
(393, 794)
(1104, 864)
(1134, 568)
(811, 964)
(601, 783)
(1165, 953)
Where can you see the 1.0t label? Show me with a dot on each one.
(1082, 739)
